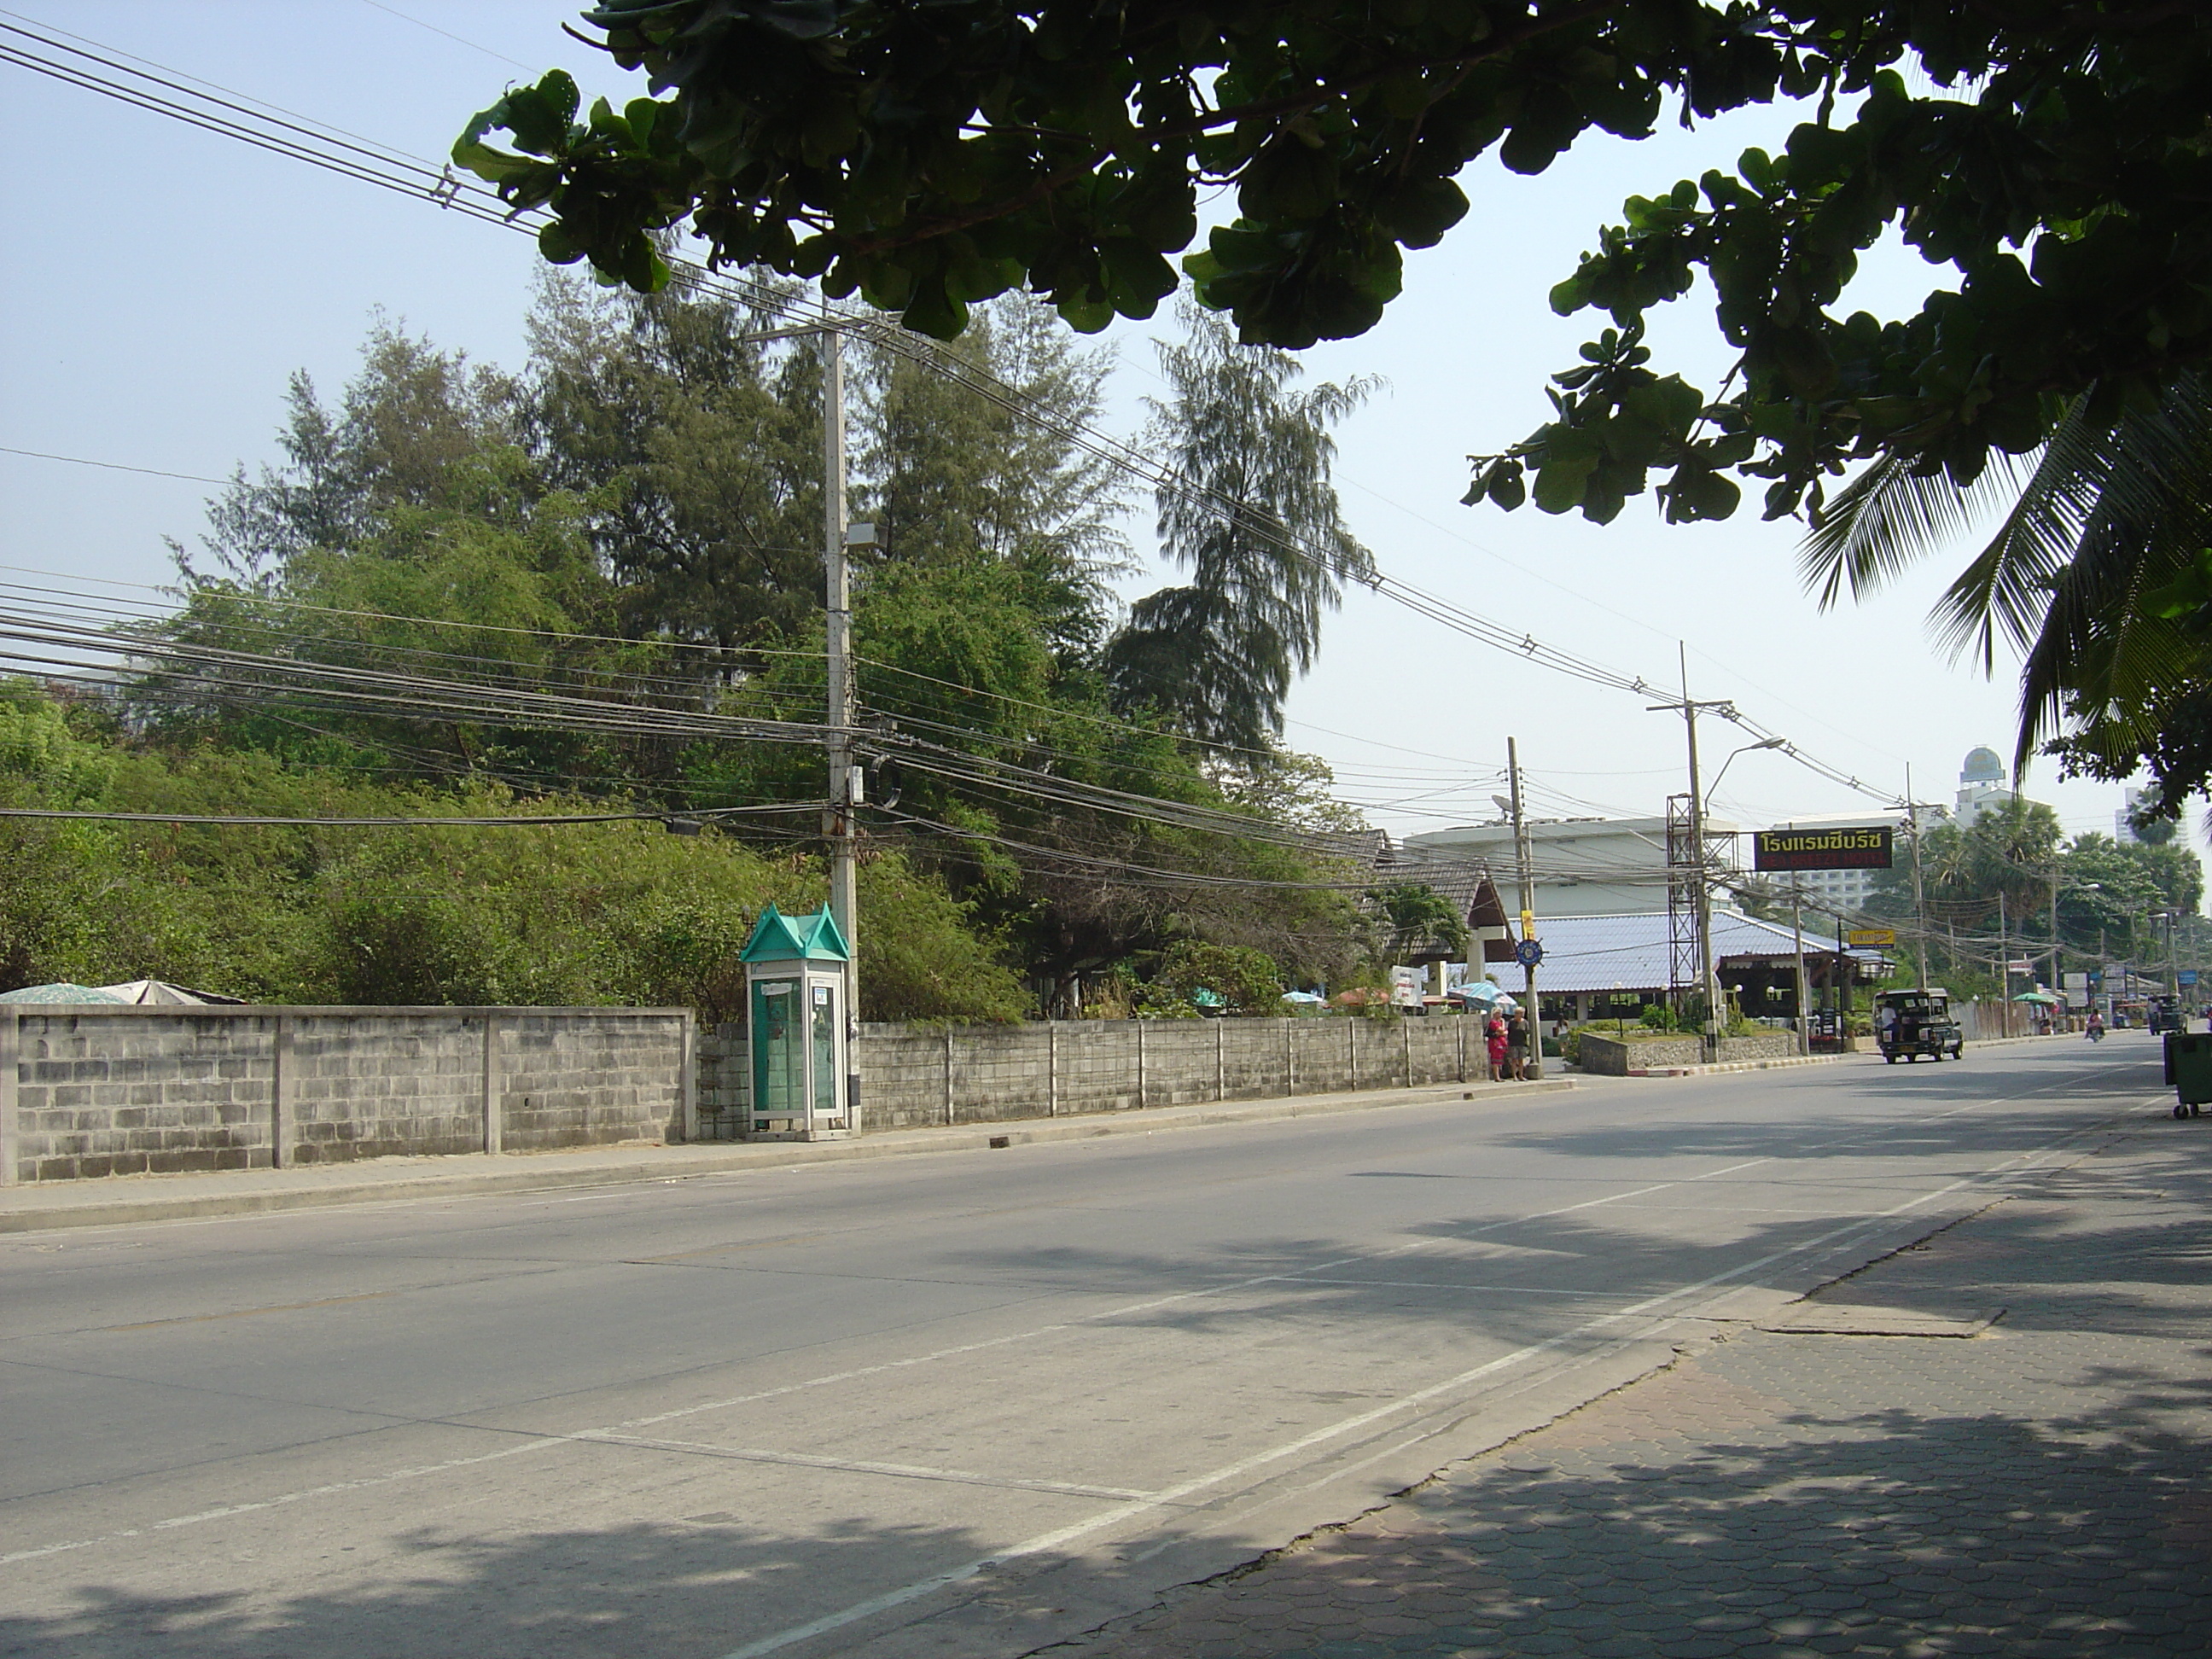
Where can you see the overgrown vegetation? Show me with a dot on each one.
(595, 913)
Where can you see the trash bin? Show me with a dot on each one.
(2188, 1068)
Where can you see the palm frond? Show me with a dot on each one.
(2006, 588)
(1888, 519)
(2096, 649)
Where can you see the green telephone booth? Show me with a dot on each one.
(795, 1001)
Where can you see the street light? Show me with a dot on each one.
(1713, 788)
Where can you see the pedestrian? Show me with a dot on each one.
(1496, 1034)
(1516, 1046)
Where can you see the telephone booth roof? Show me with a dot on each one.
(779, 937)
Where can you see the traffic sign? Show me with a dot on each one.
(2186, 977)
(1871, 938)
(1530, 952)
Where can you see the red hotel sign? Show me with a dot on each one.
(1868, 849)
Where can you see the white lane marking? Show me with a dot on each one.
(555, 1441)
(1446, 1284)
(1107, 1518)
(909, 1471)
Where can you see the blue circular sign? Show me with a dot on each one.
(1529, 952)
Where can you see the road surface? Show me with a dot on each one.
(960, 1405)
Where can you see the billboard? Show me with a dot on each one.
(1866, 848)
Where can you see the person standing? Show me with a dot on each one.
(1496, 1034)
(1516, 1046)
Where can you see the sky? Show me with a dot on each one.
(159, 285)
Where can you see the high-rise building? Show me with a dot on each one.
(2123, 821)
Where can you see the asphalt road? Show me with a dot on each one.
(959, 1405)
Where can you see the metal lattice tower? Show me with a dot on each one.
(1683, 968)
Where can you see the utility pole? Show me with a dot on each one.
(1843, 984)
(837, 825)
(1521, 856)
(1701, 896)
(1797, 938)
(2057, 987)
(2004, 965)
(1919, 893)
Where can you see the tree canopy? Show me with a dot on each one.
(2004, 870)
(627, 525)
(2051, 154)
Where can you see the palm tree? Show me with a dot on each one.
(2114, 507)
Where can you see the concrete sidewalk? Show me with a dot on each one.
(1997, 1441)
(38, 1206)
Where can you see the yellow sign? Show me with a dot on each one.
(1872, 939)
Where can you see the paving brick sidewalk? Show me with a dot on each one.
(2042, 1489)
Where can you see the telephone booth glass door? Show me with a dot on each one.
(779, 1054)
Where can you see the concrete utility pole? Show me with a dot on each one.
(837, 827)
(2004, 964)
(1521, 857)
(1919, 893)
(1797, 938)
(2057, 980)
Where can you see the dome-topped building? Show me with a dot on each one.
(1982, 785)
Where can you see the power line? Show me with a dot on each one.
(463, 41)
(540, 821)
(110, 466)
(361, 158)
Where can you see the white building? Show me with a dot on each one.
(1583, 866)
(1982, 786)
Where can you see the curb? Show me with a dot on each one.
(70, 1205)
(1775, 1064)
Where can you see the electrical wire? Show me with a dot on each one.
(539, 821)
(110, 466)
(295, 135)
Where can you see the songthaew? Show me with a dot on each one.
(795, 1003)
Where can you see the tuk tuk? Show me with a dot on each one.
(1916, 1023)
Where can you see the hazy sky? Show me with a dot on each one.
(158, 284)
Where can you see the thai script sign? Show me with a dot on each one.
(1867, 848)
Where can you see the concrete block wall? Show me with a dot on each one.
(571, 1081)
(96, 1097)
(1605, 1057)
(726, 1084)
(913, 1078)
(104, 1090)
(380, 1088)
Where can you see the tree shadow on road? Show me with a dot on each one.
(670, 1590)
